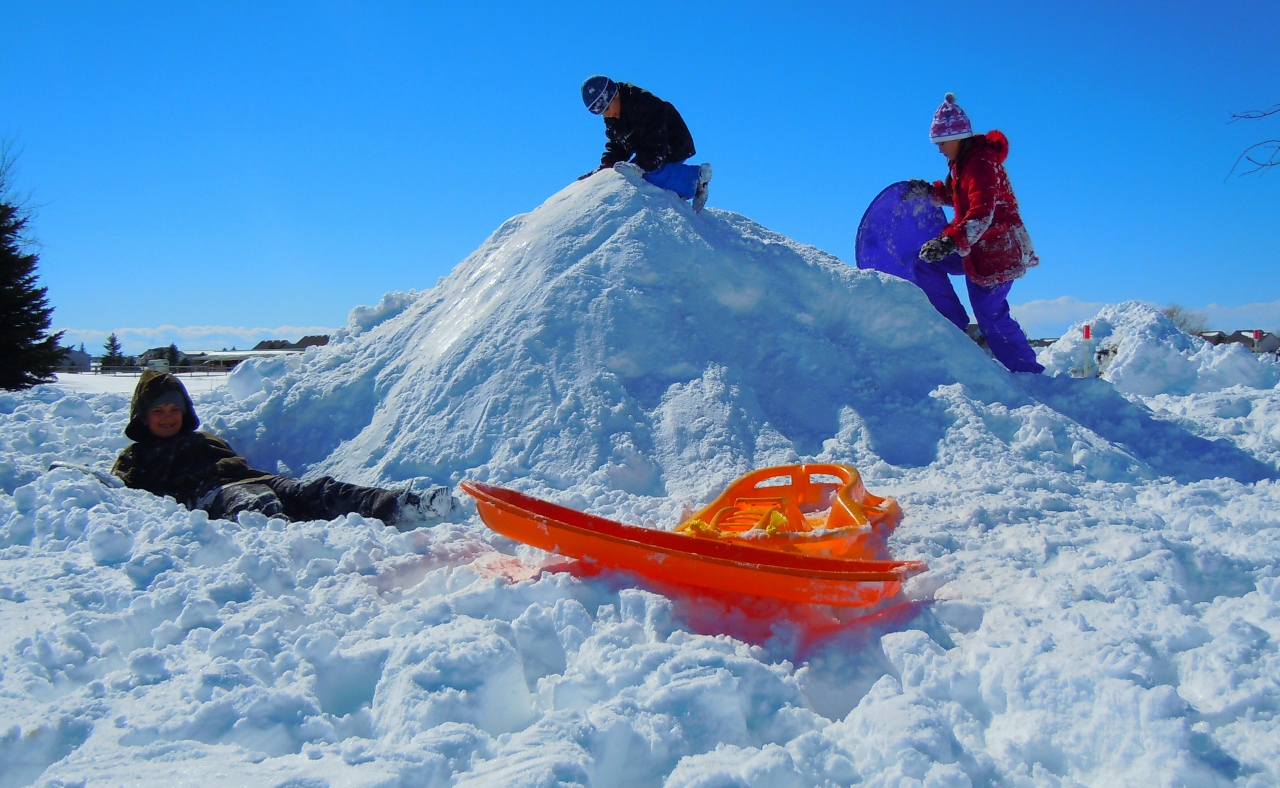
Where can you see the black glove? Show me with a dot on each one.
(593, 172)
(938, 248)
(917, 188)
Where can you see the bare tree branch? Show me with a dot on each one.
(1260, 163)
(1261, 155)
(1254, 114)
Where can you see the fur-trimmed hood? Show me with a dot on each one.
(151, 386)
(993, 145)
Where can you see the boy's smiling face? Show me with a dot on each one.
(165, 421)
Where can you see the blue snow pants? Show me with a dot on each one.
(990, 309)
(675, 176)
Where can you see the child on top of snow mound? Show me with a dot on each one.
(987, 232)
(201, 471)
(642, 125)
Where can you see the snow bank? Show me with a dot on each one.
(1149, 355)
(1102, 607)
(259, 375)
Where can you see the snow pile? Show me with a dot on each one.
(1145, 353)
(258, 375)
(1103, 603)
(613, 341)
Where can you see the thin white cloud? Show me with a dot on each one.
(187, 338)
(1051, 318)
(1265, 316)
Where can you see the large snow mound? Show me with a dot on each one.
(1102, 605)
(1149, 355)
(613, 340)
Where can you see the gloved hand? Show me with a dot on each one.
(938, 248)
(584, 176)
(917, 188)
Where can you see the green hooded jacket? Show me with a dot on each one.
(186, 466)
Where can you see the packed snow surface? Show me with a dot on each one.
(124, 383)
(1102, 608)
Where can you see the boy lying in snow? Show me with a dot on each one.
(987, 231)
(640, 124)
(202, 472)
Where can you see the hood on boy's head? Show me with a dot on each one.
(151, 387)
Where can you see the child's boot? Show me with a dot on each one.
(704, 184)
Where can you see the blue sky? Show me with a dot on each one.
(267, 166)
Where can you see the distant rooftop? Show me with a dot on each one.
(234, 355)
(315, 340)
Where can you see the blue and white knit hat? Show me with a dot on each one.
(597, 92)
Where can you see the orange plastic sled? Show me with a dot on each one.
(819, 509)
(806, 539)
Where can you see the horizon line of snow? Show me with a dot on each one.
(136, 340)
(1044, 317)
(1038, 317)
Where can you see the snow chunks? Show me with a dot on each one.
(460, 671)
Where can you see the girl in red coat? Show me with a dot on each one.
(986, 241)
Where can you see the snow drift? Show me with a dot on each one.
(1147, 354)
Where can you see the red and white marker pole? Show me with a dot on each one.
(1257, 338)
(1088, 349)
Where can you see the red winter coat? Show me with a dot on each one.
(988, 230)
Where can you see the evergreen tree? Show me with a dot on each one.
(111, 356)
(28, 353)
(172, 355)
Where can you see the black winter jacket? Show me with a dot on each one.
(186, 466)
(649, 129)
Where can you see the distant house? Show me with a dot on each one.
(161, 354)
(1264, 342)
(228, 359)
(316, 340)
(76, 361)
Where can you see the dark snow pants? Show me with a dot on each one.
(678, 177)
(320, 499)
(990, 310)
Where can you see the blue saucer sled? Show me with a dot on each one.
(894, 228)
